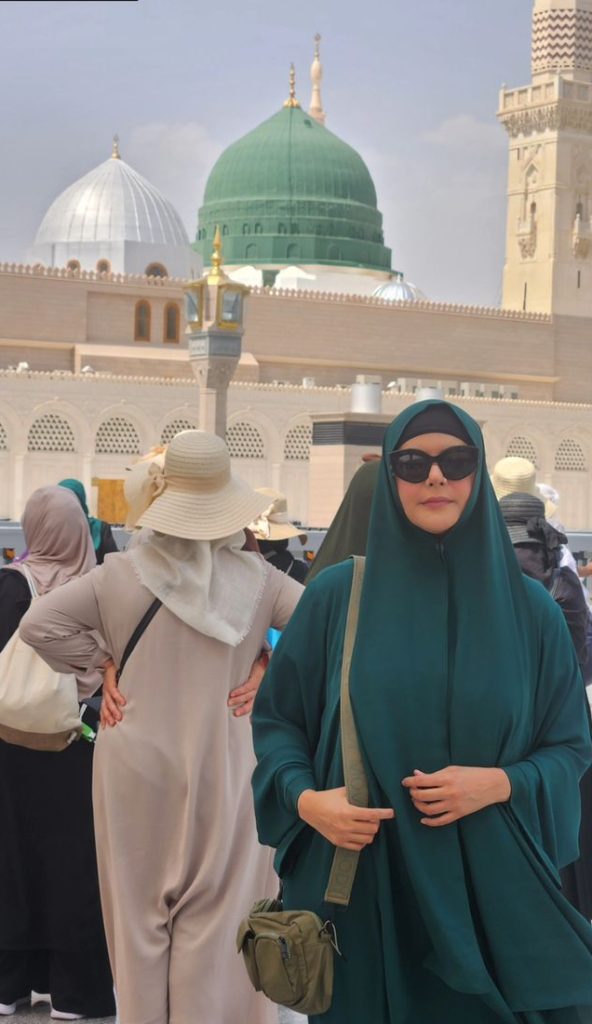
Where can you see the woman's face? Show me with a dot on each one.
(437, 504)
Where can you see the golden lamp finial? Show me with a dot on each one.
(115, 154)
(317, 51)
(292, 101)
(217, 275)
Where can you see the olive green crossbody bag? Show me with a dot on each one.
(289, 954)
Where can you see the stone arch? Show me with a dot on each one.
(298, 441)
(52, 431)
(523, 447)
(245, 440)
(175, 424)
(117, 434)
(570, 456)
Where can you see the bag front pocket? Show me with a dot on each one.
(279, 968)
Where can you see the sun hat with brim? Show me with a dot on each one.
(514, 475)
(524, 516)
(196, 496)
(274, 522)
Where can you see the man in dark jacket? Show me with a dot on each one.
(538, 549)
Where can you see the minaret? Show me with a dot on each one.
(316, 74)
(115, 154)
(548, 265)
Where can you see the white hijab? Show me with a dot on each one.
(213, 586)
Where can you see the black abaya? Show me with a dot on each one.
(49, 892)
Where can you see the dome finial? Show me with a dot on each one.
(316, 73)
(292, 101)
(216, 274)
(115, 154)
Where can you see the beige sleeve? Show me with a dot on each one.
(287, 595)
(62, 627)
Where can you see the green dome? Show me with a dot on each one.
(292, 192)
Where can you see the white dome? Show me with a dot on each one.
(114, 213)
(399, 290)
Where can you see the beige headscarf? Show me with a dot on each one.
(58, 538)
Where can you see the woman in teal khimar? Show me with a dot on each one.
(102, 538)
(471, 715)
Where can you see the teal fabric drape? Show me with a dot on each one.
(459, 660)
(95, 525)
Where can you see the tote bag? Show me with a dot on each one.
(38, 707)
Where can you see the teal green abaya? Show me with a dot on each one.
(459, 660)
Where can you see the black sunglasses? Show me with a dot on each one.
(415, 466)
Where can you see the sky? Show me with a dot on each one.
(413, 85)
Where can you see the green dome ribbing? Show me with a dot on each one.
(292, 192)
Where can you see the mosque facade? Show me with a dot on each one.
(94, 367)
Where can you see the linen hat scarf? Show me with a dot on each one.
(193, 561)
(446, 671)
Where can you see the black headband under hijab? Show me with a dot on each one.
(436, 419)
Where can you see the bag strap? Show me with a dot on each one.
(137, 633)
(345, 862)
(555, 585)
(26, 572)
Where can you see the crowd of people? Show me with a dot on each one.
(126, 865)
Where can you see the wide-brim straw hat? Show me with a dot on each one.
(196, 494)
(514, 475)
(274, 522)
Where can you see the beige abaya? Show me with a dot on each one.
(179, 861)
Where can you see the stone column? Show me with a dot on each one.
(214, 356)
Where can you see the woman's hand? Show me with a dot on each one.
(455, 792)
(241, 699)
(351, 828)
(112, 700)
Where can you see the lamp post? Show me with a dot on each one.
(214, 313)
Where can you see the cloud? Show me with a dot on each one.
(465, 132)
(177, 158)
(443, 197)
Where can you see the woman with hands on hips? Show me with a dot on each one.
(472, 723)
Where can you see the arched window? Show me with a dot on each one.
(225, 229)
(117, 436)
(251, 251)
(580, 210)
(175, 427)
(293, 251)
(245, 442)
(297, 443)
(282, 230)
(570, 457)
(103, 267)
(171, 321)
(73, 265)
(156, 270)
(3, 438)
(523, 449)
(246, 229)
(533, 210)
(51, 433)
(258, 229)
(142, 321)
